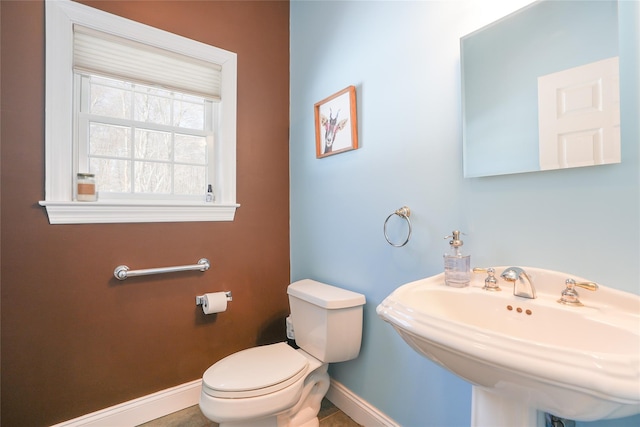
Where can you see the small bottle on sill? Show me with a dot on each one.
(209, 196)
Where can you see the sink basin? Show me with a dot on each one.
(581, 363)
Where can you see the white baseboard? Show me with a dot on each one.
(357, 409)
(165, 402)
(143, 409)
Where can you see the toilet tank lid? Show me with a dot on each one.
(325, 296)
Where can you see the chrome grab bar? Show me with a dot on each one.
(122, 272)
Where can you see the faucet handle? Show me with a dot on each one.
(490, 283)
(570, 295)
(591, 286)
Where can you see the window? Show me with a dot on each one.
(144, 142)
(150, 113)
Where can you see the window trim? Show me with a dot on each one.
(61, 15)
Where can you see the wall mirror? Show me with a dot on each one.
(540, 89)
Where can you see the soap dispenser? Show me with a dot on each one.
(457, 267)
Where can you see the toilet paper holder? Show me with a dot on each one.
(200, 298)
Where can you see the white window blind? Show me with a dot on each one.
(106, 54)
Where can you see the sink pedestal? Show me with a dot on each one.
(489, 410)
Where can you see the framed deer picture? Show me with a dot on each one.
(336, 123)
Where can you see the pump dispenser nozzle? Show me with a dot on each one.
(456, 242)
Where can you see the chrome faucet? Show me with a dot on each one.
(522, 284)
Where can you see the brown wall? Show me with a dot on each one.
(76, 340)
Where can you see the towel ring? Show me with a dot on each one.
(403, 212)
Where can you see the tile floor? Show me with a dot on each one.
(329, 416)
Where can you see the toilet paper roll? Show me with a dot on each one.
(214, 302)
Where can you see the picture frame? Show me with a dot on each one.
(336, 123)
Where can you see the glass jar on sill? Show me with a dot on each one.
(86, 187)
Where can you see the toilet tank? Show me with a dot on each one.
(327, 320)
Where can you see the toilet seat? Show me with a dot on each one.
(255, 372)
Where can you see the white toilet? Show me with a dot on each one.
(277, 385)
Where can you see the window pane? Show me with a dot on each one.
(190, 180)
(152, 178)
(188, 115)
(152, 109)
(110, 101)
(112, 175)
(191, 149)
(109, 140)
(161, 158)
(152, 145)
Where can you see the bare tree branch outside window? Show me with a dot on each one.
(145, 140)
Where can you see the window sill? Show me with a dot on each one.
(125, 212)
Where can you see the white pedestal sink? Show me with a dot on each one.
(523, 355)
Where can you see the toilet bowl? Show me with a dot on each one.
(276, 385)
(270, 381)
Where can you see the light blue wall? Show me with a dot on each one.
(403, 58)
